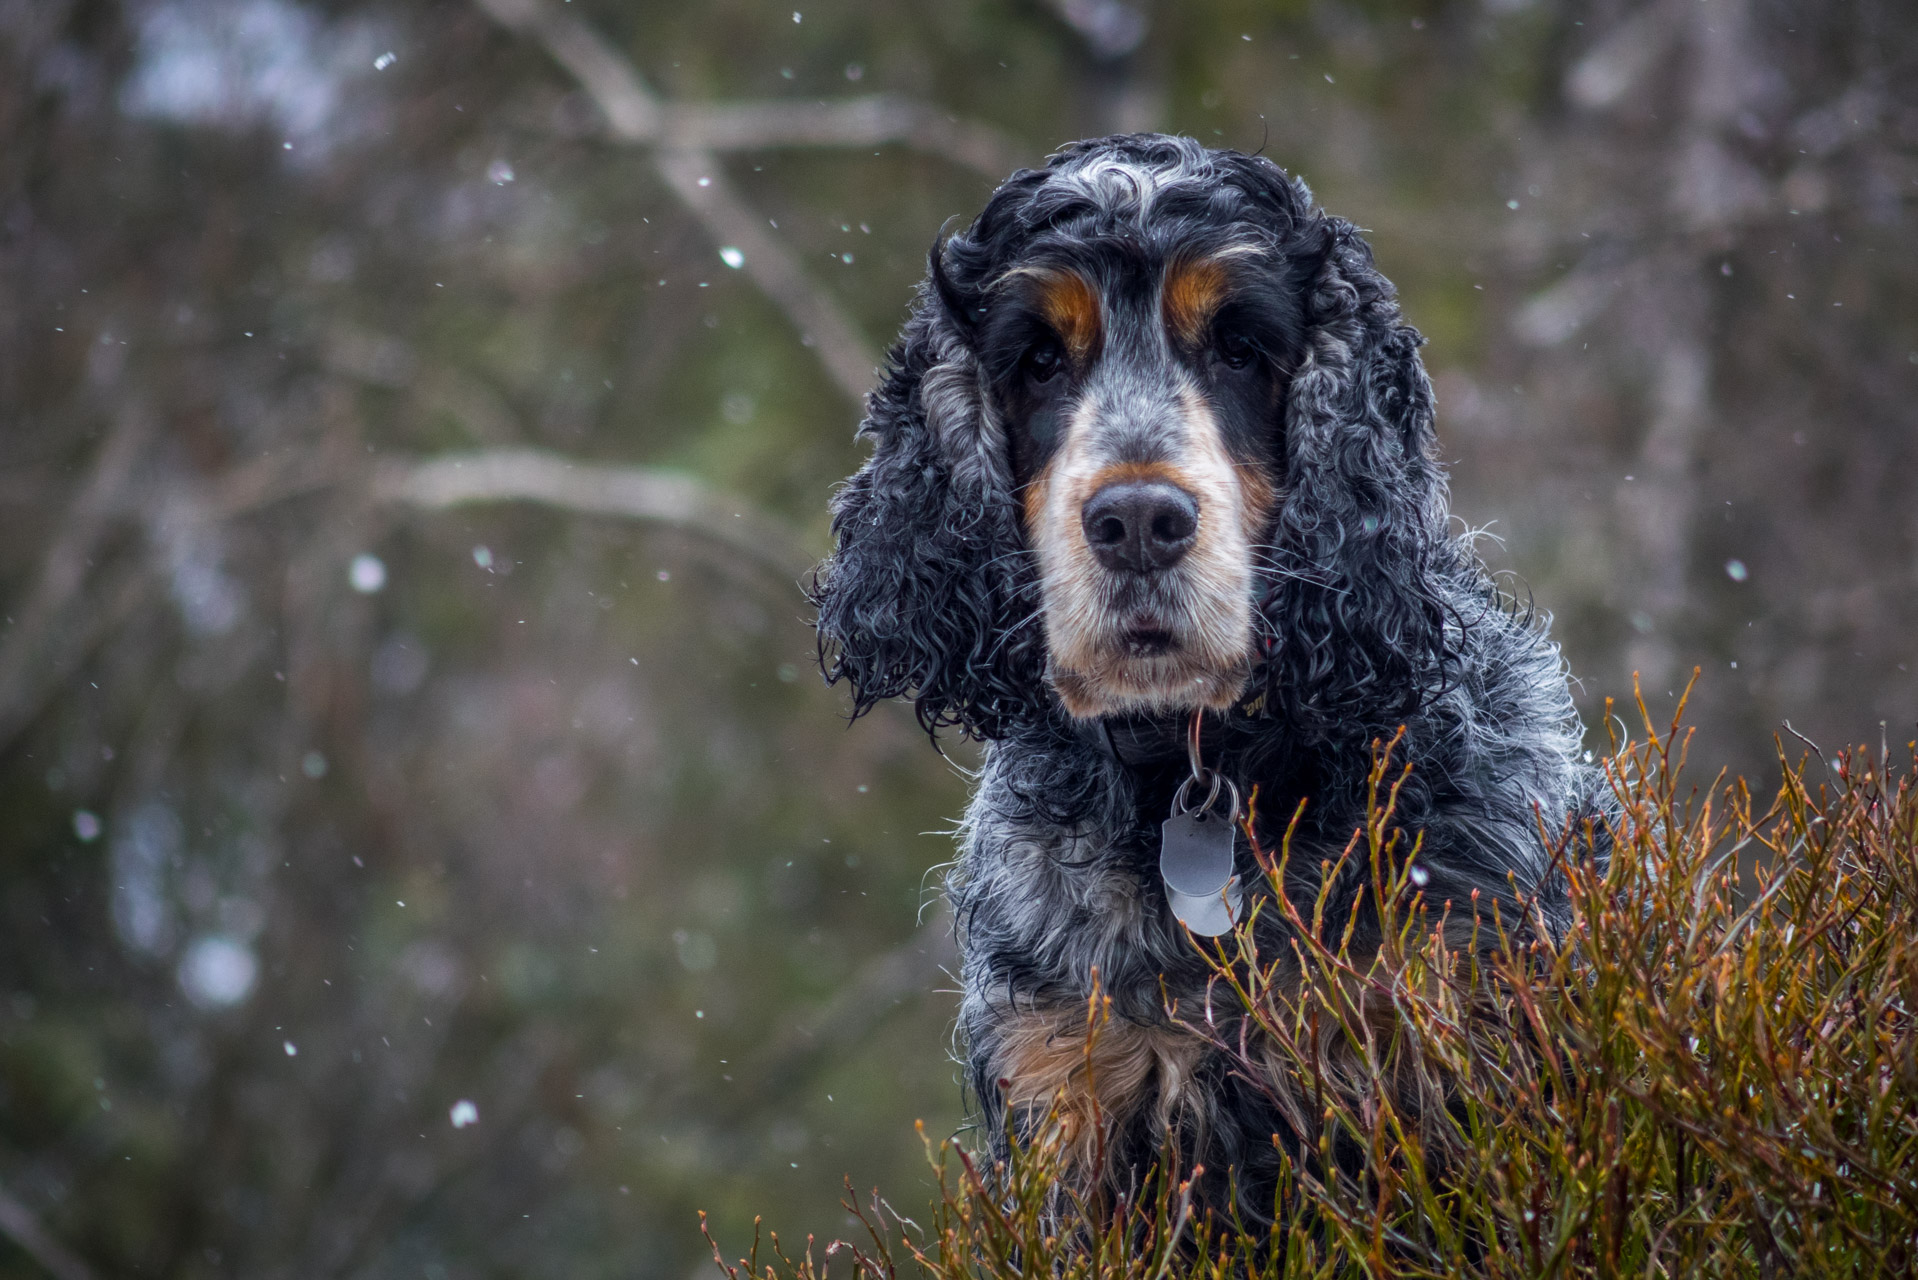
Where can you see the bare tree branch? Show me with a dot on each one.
(33, 647)
(695, 176)
(638, 116)
(851, 122)
(50, 639)
(18, 1224)
(638, 493)
(635, 116)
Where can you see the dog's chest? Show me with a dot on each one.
(1044, 907)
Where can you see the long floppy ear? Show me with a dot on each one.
(1355, 618)
(929, 595)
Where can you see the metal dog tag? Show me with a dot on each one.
(1195, 861)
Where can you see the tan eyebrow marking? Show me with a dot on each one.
(1071, 306)
(1192, 292)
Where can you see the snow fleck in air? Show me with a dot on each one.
(795, 15)
(292, 1050)
(664, 576)
(385, 60)
(1511, 204)
(1736, 570)
(483, 557)
(499, 173)
(463, 1114)
(732, 257)
(1419, 875)
(86, 825)
(313, 765)
(217, 971)
(705, 182)
(367, 573)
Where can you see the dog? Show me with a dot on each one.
(1153, 502)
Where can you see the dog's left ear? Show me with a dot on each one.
(1356, 615)
(927, 595)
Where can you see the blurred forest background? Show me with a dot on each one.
(426, 848)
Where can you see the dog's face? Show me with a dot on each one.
(1137, 381)
(1155, 433)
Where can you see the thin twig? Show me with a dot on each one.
(635, 116)
(637, 493)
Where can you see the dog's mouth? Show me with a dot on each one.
(1148, 664)
(1148, 641)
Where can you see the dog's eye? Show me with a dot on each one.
(1044, 361)
(1235, 349)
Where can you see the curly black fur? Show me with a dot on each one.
(1368, 616)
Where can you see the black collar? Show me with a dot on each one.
(1151, 742)
(1144, 742)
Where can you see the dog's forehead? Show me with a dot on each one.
(1112, 194)
(1112, 216)
(1120, 184)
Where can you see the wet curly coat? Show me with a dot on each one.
(1182, 328)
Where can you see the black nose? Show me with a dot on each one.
(1140, 526)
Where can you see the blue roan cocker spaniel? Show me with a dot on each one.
(1154, 451)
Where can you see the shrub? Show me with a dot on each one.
(1713, 1073)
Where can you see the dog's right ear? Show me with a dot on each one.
(927, 595)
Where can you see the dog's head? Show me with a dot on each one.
(1154, 439)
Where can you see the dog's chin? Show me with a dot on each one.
(1148, 671)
